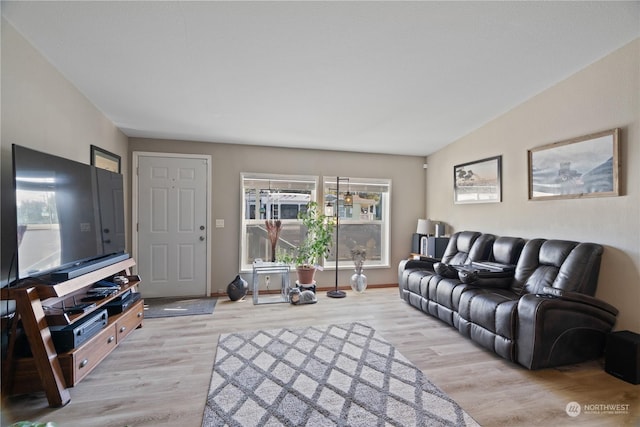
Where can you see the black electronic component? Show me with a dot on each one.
(116, 307)
(67, 337)
(80, 308)
(622, 356)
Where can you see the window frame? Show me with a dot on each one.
(353, 183)
(277, 182)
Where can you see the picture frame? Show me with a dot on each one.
(586, 166)
(479, 181)
(105, 160)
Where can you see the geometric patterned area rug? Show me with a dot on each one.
(342, 375)
(180, 306)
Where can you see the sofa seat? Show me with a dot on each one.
(488, 317)
(446, 299)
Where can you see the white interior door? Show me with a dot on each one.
(172, 228)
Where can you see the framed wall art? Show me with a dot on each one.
(478, 182)
(581, 167)
(104, 159)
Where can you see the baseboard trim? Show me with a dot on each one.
(318, 289)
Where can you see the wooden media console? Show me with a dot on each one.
(36, 312)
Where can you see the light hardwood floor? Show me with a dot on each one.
(160, 375)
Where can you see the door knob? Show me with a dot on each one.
(201, 238)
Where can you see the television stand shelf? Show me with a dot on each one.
(47, 369)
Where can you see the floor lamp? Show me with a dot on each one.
(336, 293)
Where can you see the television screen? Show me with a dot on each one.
(68, 213)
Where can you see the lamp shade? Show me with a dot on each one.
(423, 226)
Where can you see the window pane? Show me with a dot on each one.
(272, 197)
(365, 223)
(367, 236)
(259, 246)
(274, 205)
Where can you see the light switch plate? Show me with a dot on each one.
(219, 223)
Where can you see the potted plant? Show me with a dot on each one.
(315, 246)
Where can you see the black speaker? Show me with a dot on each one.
(622, 356)
(436, 246)
(415, 243)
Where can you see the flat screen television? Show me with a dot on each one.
(69, 215)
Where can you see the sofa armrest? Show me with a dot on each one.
(406, 267)
(548, 291)
(424, 263)
(481, 279)
(485, 277)
(559, 330)
(445, 270)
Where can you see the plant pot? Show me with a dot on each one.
(305, 275)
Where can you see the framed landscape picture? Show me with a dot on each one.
(581, 167)
(478, 182)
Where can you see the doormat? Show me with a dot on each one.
(339, 375)
(181, 306)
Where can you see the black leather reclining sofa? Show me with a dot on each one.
(530, 302)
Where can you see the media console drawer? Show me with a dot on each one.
(130, 320)
(78, 363)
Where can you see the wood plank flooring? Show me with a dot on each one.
(160, 375)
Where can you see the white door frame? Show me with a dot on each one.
(134, 202)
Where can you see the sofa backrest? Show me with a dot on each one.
(465, 246)
(507, 250)
(457, 250)
(562, 264)
(482, 247)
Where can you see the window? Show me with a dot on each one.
(272, 197)
(280, 197)
(365, 223)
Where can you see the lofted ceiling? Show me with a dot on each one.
(382, 77)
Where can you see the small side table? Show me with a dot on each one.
(264, 269)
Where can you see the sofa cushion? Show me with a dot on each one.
(416, 283)
(459, 246)
(492, 309)
(482, 248)
(507, 250)
(562, 264)
(445, 297)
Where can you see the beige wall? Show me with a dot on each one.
(44, 111)
(407, 199)
(604, 95)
